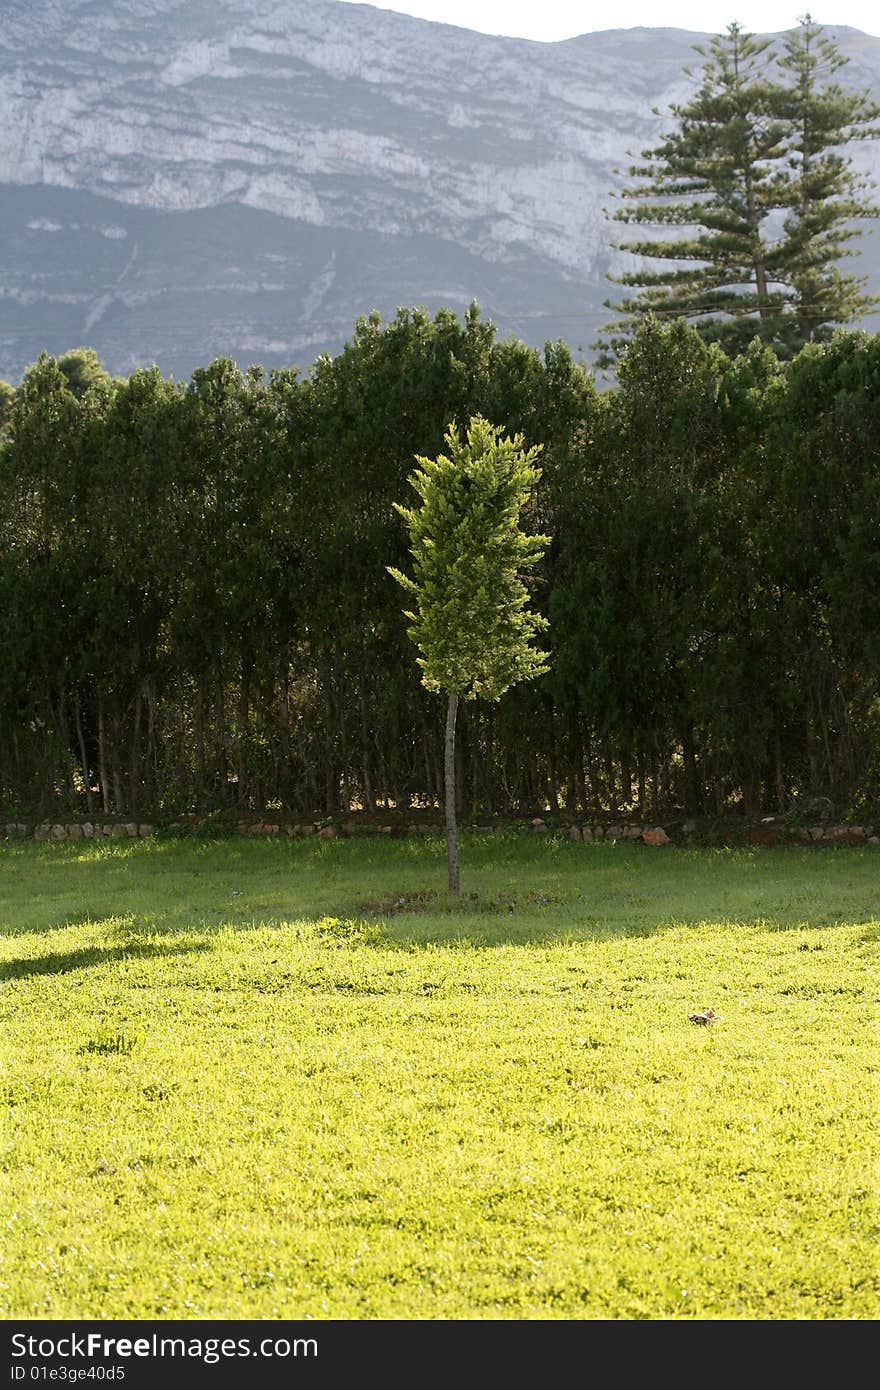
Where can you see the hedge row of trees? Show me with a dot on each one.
(198, 614)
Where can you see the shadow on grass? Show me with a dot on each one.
(64, 962)
(487, 936)
(465, 931)
(606, 892)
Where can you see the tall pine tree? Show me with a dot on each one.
(759, 197)
(825, 194)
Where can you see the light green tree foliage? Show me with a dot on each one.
(472, 623)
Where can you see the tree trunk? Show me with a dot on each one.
(199, 730)
(552, 778)
(366, 774)
(152, 768)
(331, 770)
(102, 761)
(135, 762)
(757, 248)
(778, 771)
(244, 723)
(451, 821)
(693, 799)
(84, 757)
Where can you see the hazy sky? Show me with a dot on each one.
(562, 19)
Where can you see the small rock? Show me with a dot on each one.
(845, 834)
(144, 830)
(657, 836)
(130, 829)
(873, 840)
(74, 832)
(586, 832)
(271, 829)
(42, 832)
(328, 832)
(575, 833)
(88, 830)
(116, 832)
(58, 832)
(539, 825)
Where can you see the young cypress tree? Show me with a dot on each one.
(750, 149)
(472, 625)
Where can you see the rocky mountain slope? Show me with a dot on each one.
(184, 178)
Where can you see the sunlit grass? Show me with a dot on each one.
(292, 1079)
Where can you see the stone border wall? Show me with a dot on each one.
(769, 831)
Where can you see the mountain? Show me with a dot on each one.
(181, 179)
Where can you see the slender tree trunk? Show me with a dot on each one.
(64, 734)
(626, 774)
(331, 770)
(152, 771)
(451, 821)
(199, 730)
(135, 765)
(102, 761)
(460, 748)
(587, 776)
(574, 766)
(757, 249)
(244, 723)
(693, 800)
(778, 771)
(84, 758)
(429, 780)
(552, 778)
(366, 774)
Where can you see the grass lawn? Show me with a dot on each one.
(267, 1079)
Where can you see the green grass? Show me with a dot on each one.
(244, 1079)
